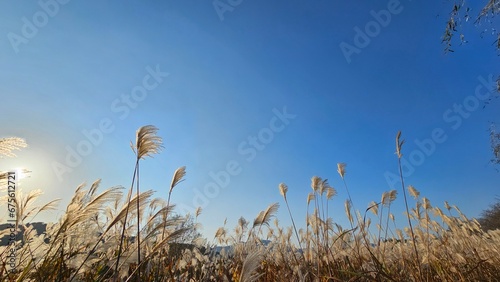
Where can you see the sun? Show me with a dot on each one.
(21, 173)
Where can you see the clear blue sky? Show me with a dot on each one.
(68, 68)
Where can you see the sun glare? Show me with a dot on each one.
(21, 173)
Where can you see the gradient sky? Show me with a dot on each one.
(228, 74)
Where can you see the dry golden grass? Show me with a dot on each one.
(83, 245)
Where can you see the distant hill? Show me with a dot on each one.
(40, 228)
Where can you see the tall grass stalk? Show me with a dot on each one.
(283, 190)
(147, 144)
(399, 145)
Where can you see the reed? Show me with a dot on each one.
(94, 238)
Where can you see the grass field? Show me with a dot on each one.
(118, 235)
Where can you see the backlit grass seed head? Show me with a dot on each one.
(323, 187)
(330, 192)
(242, 222)
(347, 206)
(310, 197)
(437, 212)
(283, 190)
(315, 182)
(197, 212)
(426, 203)
(147, 142)
(178, 177)
(250, 266)
(265, 216)
(276, 222)
(7, 145)
(270, 233)
(447, 205)
(220, 234)
(373, 207)
(393, 195)
(385, 198)
(389, 197)
(341, 169)
(399, 144)
(391, 217)
(413, 192)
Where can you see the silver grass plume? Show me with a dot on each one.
(341, 169)
(265, 216)
(426, 203)
(315, 182)
(389, 197)
(413, 192)
(147, 143)
(9, 144)
(323, 187)
(178, 177)
(310, 197)
(399, 144)
(242, 222)
(283, 189)
(132, 204)
(250, 265)
(373, 207)
(197, 212)
(347, 206)
(330, 192)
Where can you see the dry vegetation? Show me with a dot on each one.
(110, 236)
